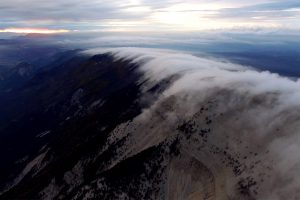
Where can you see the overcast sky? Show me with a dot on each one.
(146, 15)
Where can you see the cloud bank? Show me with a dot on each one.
(253, 143)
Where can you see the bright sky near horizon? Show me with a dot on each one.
(51, 16)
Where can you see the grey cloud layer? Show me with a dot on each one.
(268, 10)
(255, 118)
(70, 12)
(67, 10)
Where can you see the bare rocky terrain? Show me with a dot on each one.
(106, 126)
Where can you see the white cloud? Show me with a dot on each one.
(255, 115)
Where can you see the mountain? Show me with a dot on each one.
(81, 95)
(146, 124)
(22, 57)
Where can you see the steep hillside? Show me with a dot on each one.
(141, 124)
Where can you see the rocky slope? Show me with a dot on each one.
(148, 126)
